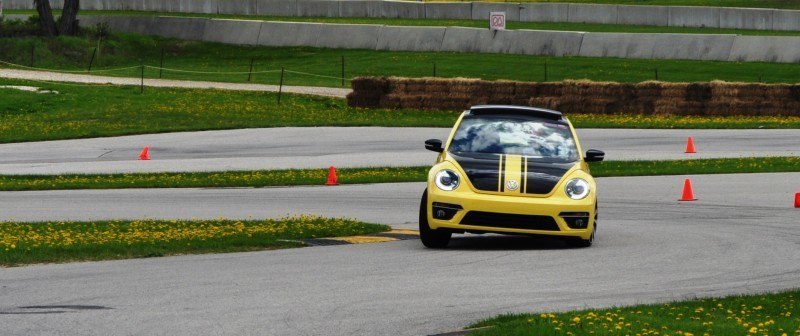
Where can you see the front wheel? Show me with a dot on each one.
(430, 238)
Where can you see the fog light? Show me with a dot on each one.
(576, 220)
(445, 211)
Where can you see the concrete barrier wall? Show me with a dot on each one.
(448, 10)
(619, 45)
(717, 47)
(786, 20)
(477, 40)
(544, 12)
(780, 49)
(242, 7)
(289, 34)
(694, 17)
(411, 38)
(693, 47)
(643, 15)
(548, 43)
(180, 28)
(317, 8)
(481, 10)
(676, 16)
(396, 9)
(593, 13)
(357, 36)
(355, 8)
(760, 19)
(21, 17)
(232, 31)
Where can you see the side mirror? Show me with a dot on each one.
(434, 145)
(594, 155)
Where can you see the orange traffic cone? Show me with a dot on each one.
(145, 155)
(332, 179)
(690, 146)
(797, 200)
(688, 194)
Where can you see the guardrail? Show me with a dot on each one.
(673, 16)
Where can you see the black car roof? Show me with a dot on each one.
(512, 109)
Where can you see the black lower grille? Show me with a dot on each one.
(510, 221)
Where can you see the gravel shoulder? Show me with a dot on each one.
(93, 79)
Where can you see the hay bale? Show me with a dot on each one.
(550, 89)
(526, 90)
(648, 89)
(698, 92)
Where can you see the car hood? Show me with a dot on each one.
(511, 174)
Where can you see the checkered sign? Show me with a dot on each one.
(497, 20)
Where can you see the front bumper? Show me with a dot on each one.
(549, 216)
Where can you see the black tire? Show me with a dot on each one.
(430, 238)
(577, 242)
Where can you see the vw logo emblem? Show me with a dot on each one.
(512, 185)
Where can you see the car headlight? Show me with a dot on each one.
(577, 189)
(447, 180)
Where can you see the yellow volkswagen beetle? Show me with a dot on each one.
(511, 170)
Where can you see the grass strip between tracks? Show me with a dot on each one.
(762, 314)
(294, 177)
(104, 111)
(40, 242)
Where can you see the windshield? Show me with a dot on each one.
(546, 140)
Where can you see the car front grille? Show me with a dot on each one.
(510, 221)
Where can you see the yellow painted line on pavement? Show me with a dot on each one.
(364, 239)
(404, 231)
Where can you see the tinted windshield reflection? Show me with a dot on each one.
(535, 138)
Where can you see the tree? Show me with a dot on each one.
(68, 22)
(46, 17)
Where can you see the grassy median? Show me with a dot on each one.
(42, 242)
(763, 314)
(294, 177)
(80, 111)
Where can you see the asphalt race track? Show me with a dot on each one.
(740, 237)
(320, 147)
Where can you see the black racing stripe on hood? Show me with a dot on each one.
(543, 177)
(482, 170)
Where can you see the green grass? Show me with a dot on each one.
(80, 111)
(101, 111)
(123, 50)
(559, 26)
(45, 242)
(762, 314)
(262, 178)
(294, 177)
(696, 166)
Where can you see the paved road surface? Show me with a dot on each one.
(318, 147)
(740, 237)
